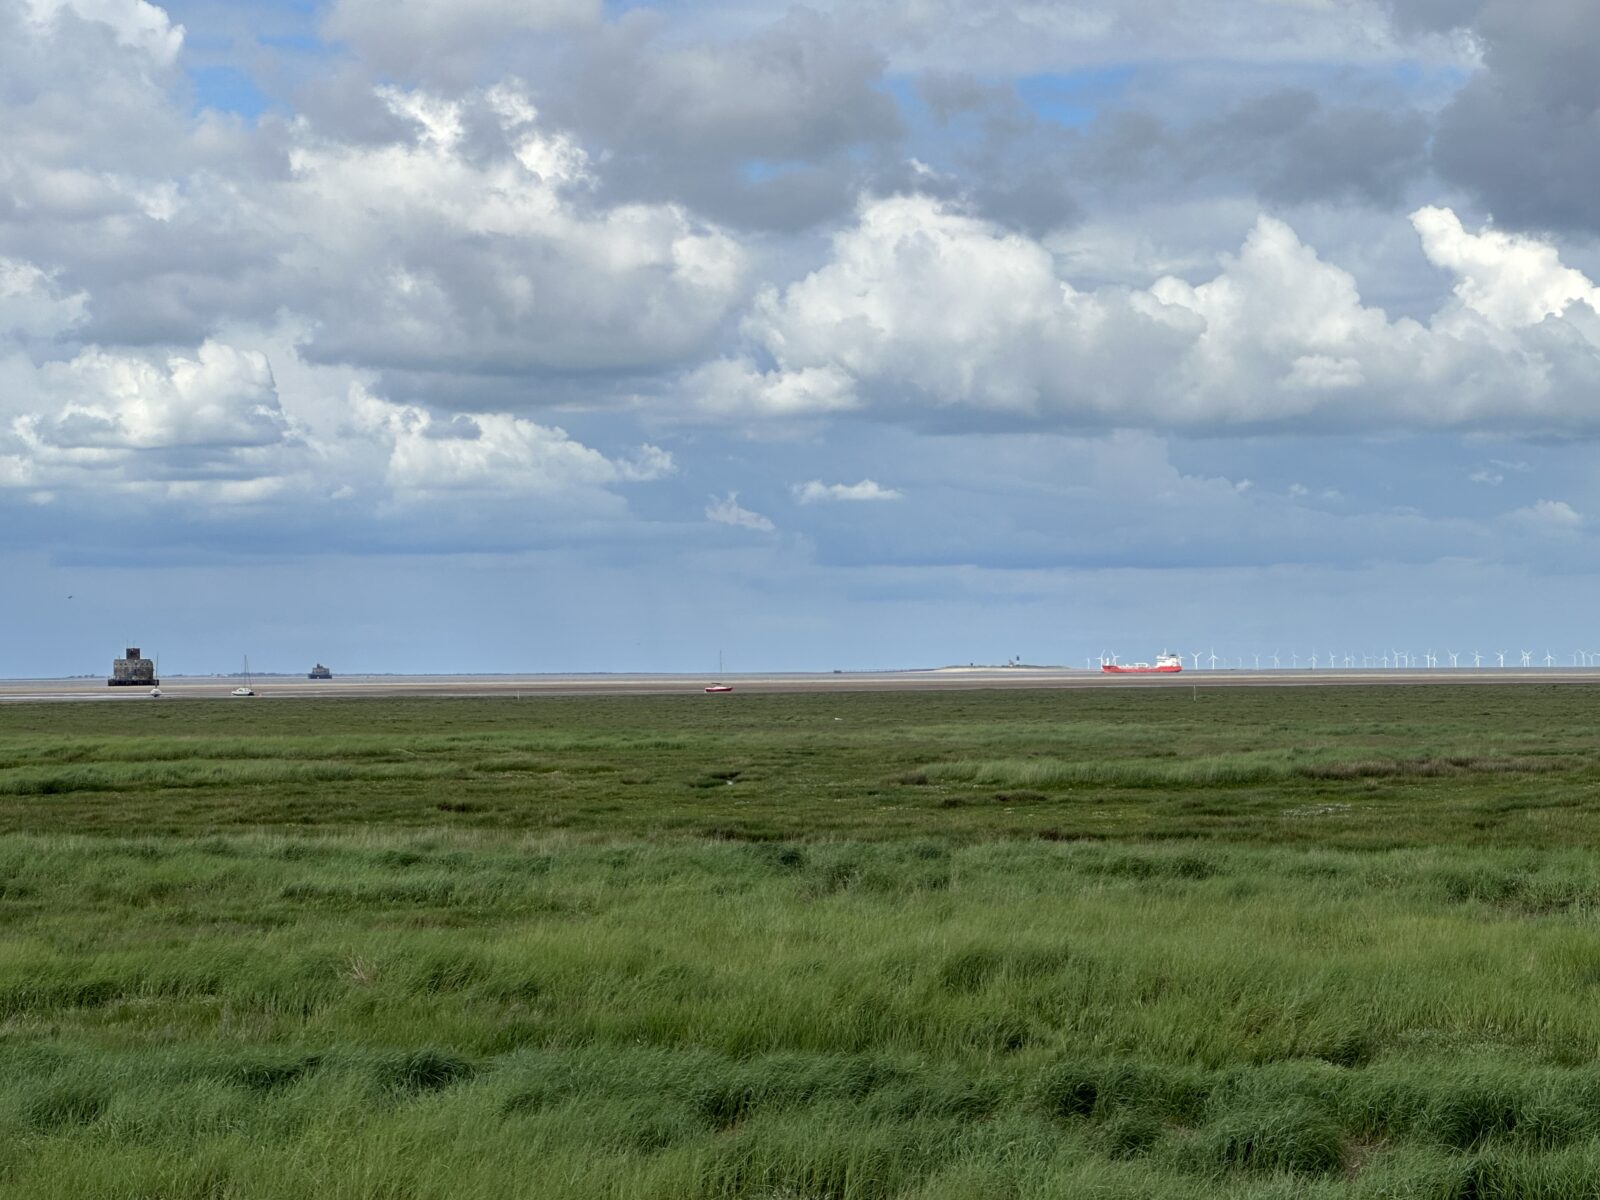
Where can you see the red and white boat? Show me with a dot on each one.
(1165, 664)
(719, 687)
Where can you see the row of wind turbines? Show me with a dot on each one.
(1393, 660)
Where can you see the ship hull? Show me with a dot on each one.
(1113, 669)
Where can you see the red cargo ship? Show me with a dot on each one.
(1165, 664)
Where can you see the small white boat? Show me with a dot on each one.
(245, 690)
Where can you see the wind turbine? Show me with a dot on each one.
(1501, 656)
(1452, 655)
(1549, 659)
(1294, 660)
(1477, 659)
(1275, 663)
(1212, 661)
(1526, 655)
(1258, 662)
(1313, 660)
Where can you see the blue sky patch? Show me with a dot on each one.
(226, 89)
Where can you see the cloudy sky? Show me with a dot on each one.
(478, 335)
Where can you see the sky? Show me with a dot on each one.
(588, 335)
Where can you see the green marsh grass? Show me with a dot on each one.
(1319, 943)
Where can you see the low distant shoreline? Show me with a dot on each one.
(970, 678)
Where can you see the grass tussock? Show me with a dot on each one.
(1223, 770)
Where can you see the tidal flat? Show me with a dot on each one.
(1228, 942)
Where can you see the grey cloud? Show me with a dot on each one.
(1523, 134)
(1018, 171)
(462, 42)
(342, 104)
(773, 130)
(1349, 152)
(1035, 199)
(1004, 37)
(458, 428)
(1432, 16)
(951, 94)
(1287, 145)
(48, 76)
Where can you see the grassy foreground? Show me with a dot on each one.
(1299, 942)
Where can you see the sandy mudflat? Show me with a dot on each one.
(948, 679)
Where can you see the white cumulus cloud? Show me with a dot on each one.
(817, 492)
(204, 424)
(220, 398)
(489, 262)
(1509, 279)
(928, 313)
(1548, 517)
(490, 452)
(726, 510)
